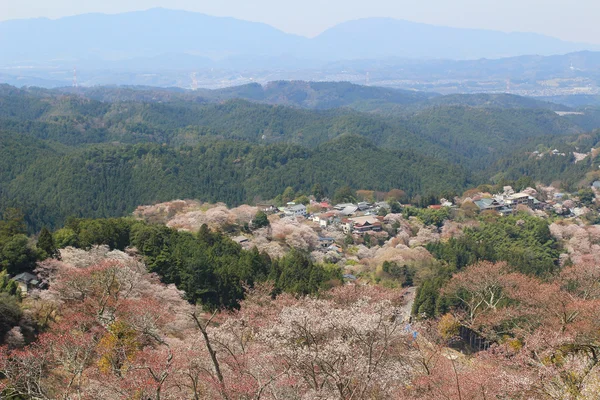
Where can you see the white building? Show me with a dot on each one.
(297, 210)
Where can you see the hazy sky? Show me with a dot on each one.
(575, 20)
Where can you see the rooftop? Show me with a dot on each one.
(26, 278)
(518, 196)
(371, 219)
(350, 210)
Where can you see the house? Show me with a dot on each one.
(366, 227)
(296, 210)
(596, 185)
(362, 224)
(267, 208)
(489, 204)
(538, 205)
(325, 205)
(446, 203)
(435, 207)
(325, 219)
(362, 206)
(519, 198)
(26, 282)
(342, 206)
(505, 211)
(507, 203)
(349, 210)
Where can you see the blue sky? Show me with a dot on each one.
(574, 20)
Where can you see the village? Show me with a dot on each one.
(369, 218)
(362, 237)
(365, 238)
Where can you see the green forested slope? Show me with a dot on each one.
(320, 95)
(482, 135)
(109, 180)
(486, 100)
(313, 95)
(443, 131)
(67, 155)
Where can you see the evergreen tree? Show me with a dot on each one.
(16, 256)
(10, 313)
(408, 276)
(344, 195)
(367, 239)
(302, 200)
(13, 223)
(586, 196)
(260, 220)
(7, 285)
(317, 191)
(395, 207)
(349, 240)
(46, 244)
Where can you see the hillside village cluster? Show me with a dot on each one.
(364, 217)
(359, 236)
(345, 229)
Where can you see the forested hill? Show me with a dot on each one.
(63, 154)
(301, 94)
(71, 119)
(500, 100)
(111, 180)
(316, 95)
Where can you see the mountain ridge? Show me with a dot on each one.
(134, 34)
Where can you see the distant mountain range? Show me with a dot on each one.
(176, 39)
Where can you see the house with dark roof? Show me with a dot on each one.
(489, 204)
(350, 210)
(26, 282)
(362, 206)
(341, 206)
(362, 224)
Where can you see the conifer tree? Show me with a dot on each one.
(46, 244)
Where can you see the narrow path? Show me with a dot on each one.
(409, 299)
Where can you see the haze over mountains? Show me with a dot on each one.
(157, 32)
(167, 48)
